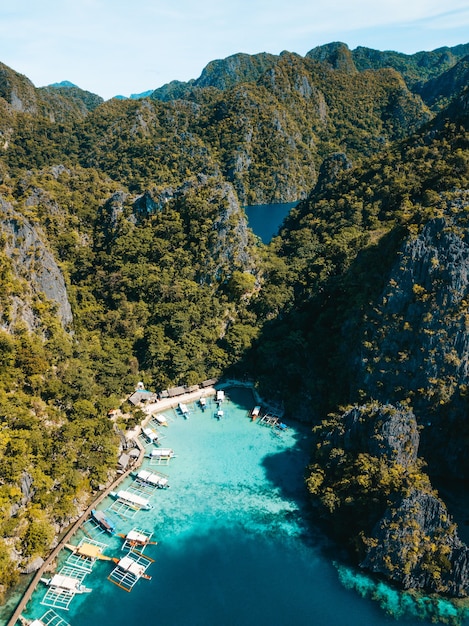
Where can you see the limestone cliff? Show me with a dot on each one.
(369, 484)
(35, 265)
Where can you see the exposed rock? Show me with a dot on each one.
(416, 344)
(33, 566)
(380, 431)
(417, 545)
(32, 261)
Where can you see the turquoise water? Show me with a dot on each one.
(235, 544)
(266, 219)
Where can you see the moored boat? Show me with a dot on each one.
(132, 499)
(150, 478)
(66, 583)
(160, 418)
(162, 453)
(103, 521)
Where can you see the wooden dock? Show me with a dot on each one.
(66, 539)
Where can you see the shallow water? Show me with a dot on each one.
(235, 545)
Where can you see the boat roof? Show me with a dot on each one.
(134, 535)
(129, 565)
(162, 452)
(89, 550)
(132, 497)
(64, 582)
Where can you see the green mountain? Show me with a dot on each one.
(125, 255)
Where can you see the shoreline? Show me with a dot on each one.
(149, 409)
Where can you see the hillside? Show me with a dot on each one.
(125, 255)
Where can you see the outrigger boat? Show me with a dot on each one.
(102, 520)
(160, 418)
(155, 480)
(132, 499)
(150, 435)
(183, 409)
(220, 396)
(162, 453)
(137, 539)
(203, 403)
(66, 583)
(255, 412)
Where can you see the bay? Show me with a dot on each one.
(236, 543)
(266, 219)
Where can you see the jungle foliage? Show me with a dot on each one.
(140, 203)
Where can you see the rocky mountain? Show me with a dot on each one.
(125, 252)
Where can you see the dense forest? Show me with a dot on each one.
(126, 255)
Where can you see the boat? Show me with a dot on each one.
(203, 403)
(128, 564)
(255, 412)
(152, 479)
(132, 499)
(162, 453)
(183, 409)
(150, 435)
(160, 418)
(137, 538)
(220, 396)
(219, 414)
(66, 583)
(103, 521)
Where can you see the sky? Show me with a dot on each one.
(124, 47)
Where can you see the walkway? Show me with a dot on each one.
(66, 539)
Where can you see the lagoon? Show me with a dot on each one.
(237, 545)
(266, 219)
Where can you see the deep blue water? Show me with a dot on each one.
(266, 219)
(236, 544)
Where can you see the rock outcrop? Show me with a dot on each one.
(32, 261)
(368, 482)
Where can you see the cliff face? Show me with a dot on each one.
(416, 345)
(35, 265)
(369, 483)
(417, 545)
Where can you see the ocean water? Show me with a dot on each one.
(235, 541)
(266, 219)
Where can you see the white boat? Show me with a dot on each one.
(151, 435)
(219, 414)
(67, 583)
(137, 538)
(152, 479)
(160, 418)
(255, 412)
(127, 564)
(220, 396)
(183, 409)
(132, 499)
(162, 453)
(203, 403)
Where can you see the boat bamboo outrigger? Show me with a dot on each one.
(203, 403)
(220, 396)
(62, 587)
(50, 618)
(86, 553)
(130, 569)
